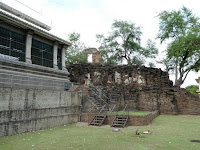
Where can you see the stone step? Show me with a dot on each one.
(117, 124)
(119, 121)
(98, 120)
(121, 118)
(94, 124)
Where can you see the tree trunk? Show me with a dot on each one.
(179, 82)
(176, 73)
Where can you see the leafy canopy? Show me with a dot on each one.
(74, 53)
(193, 89)
(181, 29)
(123, 44)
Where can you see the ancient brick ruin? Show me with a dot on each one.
(96, 56)
(141, 88)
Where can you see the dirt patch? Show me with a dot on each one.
(83, 124)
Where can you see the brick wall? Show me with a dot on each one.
(141, 88)
(133, 120)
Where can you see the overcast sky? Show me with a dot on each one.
(91, 17)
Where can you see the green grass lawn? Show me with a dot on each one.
(129, 113)
(168, 133)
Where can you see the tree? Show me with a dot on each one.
(167, 64)
(123, 44)
(182, 29)
(74, 53)
(193, 89)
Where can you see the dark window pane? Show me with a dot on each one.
(4, 51)
(17, 37)
(4, 41)
(12, 44)
(4, 33)
(42, 54)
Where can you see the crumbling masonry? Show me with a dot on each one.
(140, 87)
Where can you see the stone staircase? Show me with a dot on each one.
(120, 121)
(97, 97)
(98, 120)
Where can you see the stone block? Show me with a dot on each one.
(5, 96)
(17, 99)
(65, 98)
(46, 98)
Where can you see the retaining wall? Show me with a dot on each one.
(133, 120)
(24, 110)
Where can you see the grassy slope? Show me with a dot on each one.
(168, 132)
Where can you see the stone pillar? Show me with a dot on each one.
(29, 36)
(63, 58)
(55, 53)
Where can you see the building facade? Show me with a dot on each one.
(34, 84)
(29, 52)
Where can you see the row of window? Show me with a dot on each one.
(13, 44)
(42, 54)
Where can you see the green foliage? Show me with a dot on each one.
(151, 64)
(123, 44)
(74, 53)
(193, 89)
(182, 29)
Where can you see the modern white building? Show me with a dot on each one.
(29, 53)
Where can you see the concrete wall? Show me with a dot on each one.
(24, 110)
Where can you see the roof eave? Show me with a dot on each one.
(36, 30)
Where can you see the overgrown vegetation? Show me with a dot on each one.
(167, 133)
(75, 53)
(193, 89)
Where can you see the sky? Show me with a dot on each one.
(91, 17)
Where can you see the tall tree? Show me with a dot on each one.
(74, 53)
(123, 44)
(181, 30)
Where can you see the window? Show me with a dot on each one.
(42, 54)
(59, 58)
(89, 59)
(12, 44)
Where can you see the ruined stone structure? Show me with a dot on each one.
(140, 87)
(96, 56)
